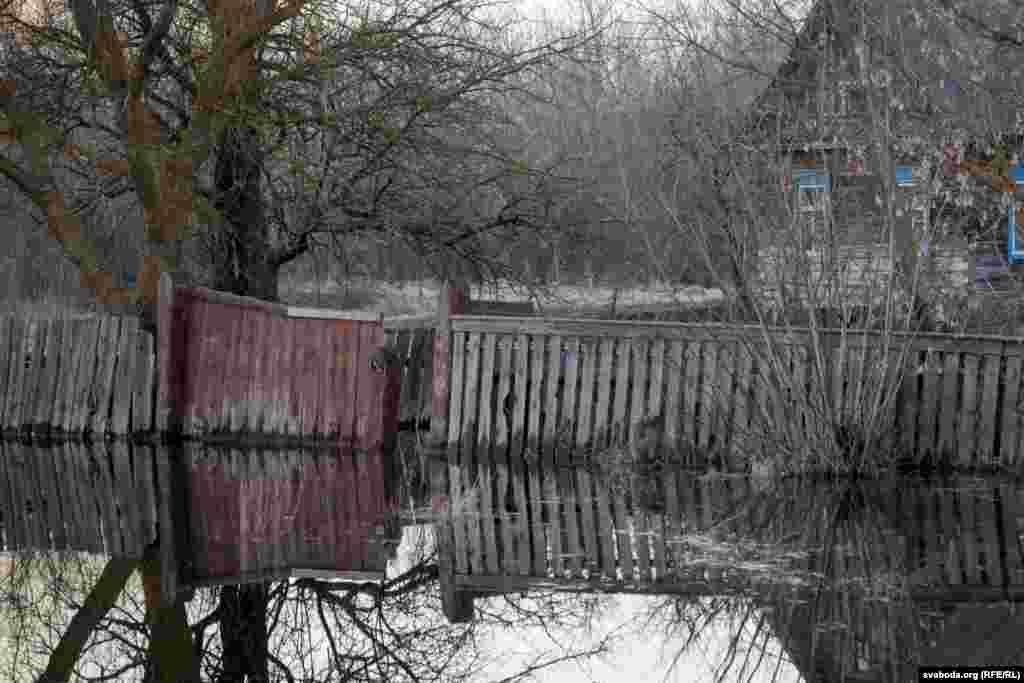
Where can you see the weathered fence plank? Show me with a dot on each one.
(85, 370)
(950, 405)
(966, 444)
(989, 401)
(47, 396)
(102, 390)
(6, 352)
(1008, 439)
(533, 445)
(126, 361)
(16, 374)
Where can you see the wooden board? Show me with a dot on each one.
(606, 529)
(723, 396)
(929, 408)
(56, 514)
(966, 440)
(485, 453)
(16, 375)
(47, 396)
(142, 384)
(619, 424)
(34, 371)
(910, 399)
(1010, 436)
(989, 401)
(640, 353)
(673, 400)
(534, 346)
(101, 390)
(5, 363)
(554, 529)
(585, 433)
(691, 390)
(656, 399)
(126, 359)
(622, 535)
(85, 373)
(601, 428)
(741, 415)
(950, 405)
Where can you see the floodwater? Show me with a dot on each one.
(599, 574)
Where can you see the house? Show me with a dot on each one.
(846, 120)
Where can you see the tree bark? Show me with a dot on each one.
(243, 634)
(99, 601)
(243, 259)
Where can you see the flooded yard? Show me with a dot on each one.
(574, 574)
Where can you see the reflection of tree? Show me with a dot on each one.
(302, 630)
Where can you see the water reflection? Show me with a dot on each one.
(847, 581)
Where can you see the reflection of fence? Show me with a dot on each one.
(583, 529)
(559, 389)
(75, 375)
(77, 498)
(254, 515)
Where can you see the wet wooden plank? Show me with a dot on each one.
(257, 392)
(124, 371)
(1010, 511)
(145, 495)
(674, 368)
(691, 390)
(86, 479)
(585, 433)
(1010, 434)
(949, 411)
(227, 388)
(367, 386)
(7, 513)
(190, 316)
(36, 348)
(709, 398)
(638, 401)
(14, 474)
(533, 445)
(46, 399)
(620, 424)
(606, 528)
(672, 528)
(143, 384)
(969, 536)
(966, 442)
(656, 399)
(507, 463)
(723, 395)
(657, 541)
(351, 354)
(467, 452)
(458, 480)
(326, 393)
(554, 529)
(484, 452)
(740, 418)
(106, 499)
(38, 534)
(989, 401)
(72, 518)
(318, 335)
(50, 491)
(284, 419)
(927, 423)
(567, 417)
(601, 425)
(168, 545)
(987, 515)
(127, 498)
(102, 390)
(5, 363)
(588, 519)
(16, 374)
(641, 525)
(622, 535)
(910, 399)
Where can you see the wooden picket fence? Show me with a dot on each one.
(75, 376)
(563, 389)
(76, 497)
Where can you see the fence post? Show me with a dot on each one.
(451, 301)
(165, 403)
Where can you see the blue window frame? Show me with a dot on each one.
(904, 176)
(813, 181)
(1016, 238)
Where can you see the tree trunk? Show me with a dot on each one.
(243, 634)
(99, 601)
(242, 260)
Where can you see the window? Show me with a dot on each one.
(904, 176)
(813, 191)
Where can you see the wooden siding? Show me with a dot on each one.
(240, 367)
(583, 384)
(75, 376)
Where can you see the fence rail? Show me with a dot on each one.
(75, 376)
